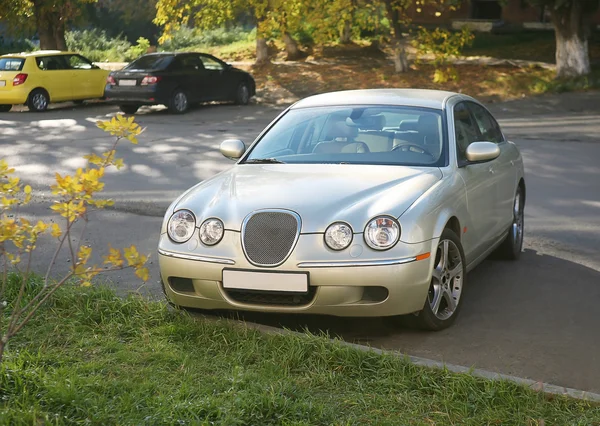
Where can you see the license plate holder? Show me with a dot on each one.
(281, 282)
(128, 83)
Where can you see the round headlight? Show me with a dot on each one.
(382, 233)
(338, 236)
(211, 231)
(181, 226)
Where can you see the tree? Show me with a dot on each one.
(48, 17)
(572, 27)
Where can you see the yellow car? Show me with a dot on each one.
(38, 78)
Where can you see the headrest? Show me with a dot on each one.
(406, 125)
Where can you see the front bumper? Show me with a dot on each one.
(370, 284)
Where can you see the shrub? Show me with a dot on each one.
(75, 196)
(443, 45)
(97, 46)
(141, 48)
(186, 38)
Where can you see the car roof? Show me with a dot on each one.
(407, 97)
(37, 53)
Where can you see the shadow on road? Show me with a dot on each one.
(536, 318)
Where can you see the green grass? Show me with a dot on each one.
(93, 358)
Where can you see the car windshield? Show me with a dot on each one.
(390, 135)
(151, 62)
(11, 64)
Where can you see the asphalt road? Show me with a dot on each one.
(537, 318)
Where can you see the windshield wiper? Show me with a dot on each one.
(264, 161)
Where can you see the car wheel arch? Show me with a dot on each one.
(42, 89)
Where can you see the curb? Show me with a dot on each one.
(546, 388)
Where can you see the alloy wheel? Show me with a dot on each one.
(244, 94)
(39, 101)
(180, 101)
(447, 280)
(518, 222)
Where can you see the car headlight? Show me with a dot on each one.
(382, 233)
(211, 231)
(181, 226)
(338, 236)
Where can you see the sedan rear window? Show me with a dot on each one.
(151, 62)
(11, 64)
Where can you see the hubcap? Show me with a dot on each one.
(244, 94)
(180, 101)
(39, 101)
(446, 283)
(517, 225)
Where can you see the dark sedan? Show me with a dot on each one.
(177, 80)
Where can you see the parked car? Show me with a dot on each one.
(36, 79)
(177, 80)
(356, 203)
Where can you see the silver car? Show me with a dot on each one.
(356, 203)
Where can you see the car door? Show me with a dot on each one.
(55, 77)
(189, 73)
(88, 80)
(505, 174)
(216, 77)
(479, 184)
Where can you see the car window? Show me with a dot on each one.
(151, 62)
(488, 127)
(189, 62)
(211, 63)
(354, 135)
(11, 64)
(79, 62)
(52, 63)
(465, 129)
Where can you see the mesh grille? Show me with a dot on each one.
(269, 237)
(272, 298)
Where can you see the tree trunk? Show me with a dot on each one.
(400, 59)
(262, 51)
(291, 47)
(346, 35)
(571, 27)
(51, 29)
(59, 35)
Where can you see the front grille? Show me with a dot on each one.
(269, 236)
(272, 298)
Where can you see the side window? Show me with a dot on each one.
(211, 64)
(192, 63)
(79, 63)
(465, 129)
(51, 63)
(490, 131)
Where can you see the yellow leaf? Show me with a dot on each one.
(27, 189)
(55, 230)
(142, 273)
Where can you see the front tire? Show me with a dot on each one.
(511, 247)
(38, 100)
(129, 109)
(179, 102)
(442, 304)
(5, 108)
(242, 96)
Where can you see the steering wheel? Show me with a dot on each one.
(420, 149)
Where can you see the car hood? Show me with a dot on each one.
(319, 193)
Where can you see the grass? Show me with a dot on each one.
(93, 358)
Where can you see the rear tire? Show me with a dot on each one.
(511, 247)
(5, 108)
(178, 104)
(444, 297)
(242, 96)
(129, 109)
(38, 100)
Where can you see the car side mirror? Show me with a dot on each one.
(232, 148)
(478, 152)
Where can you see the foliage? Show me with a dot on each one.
(76, 196)
(91, 357)
(141, 48)
(185, 38)
(97, 46)
(17, 46)
(443, 45)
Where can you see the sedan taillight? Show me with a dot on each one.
(111, 80)
(19, 79)
(150, 79)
